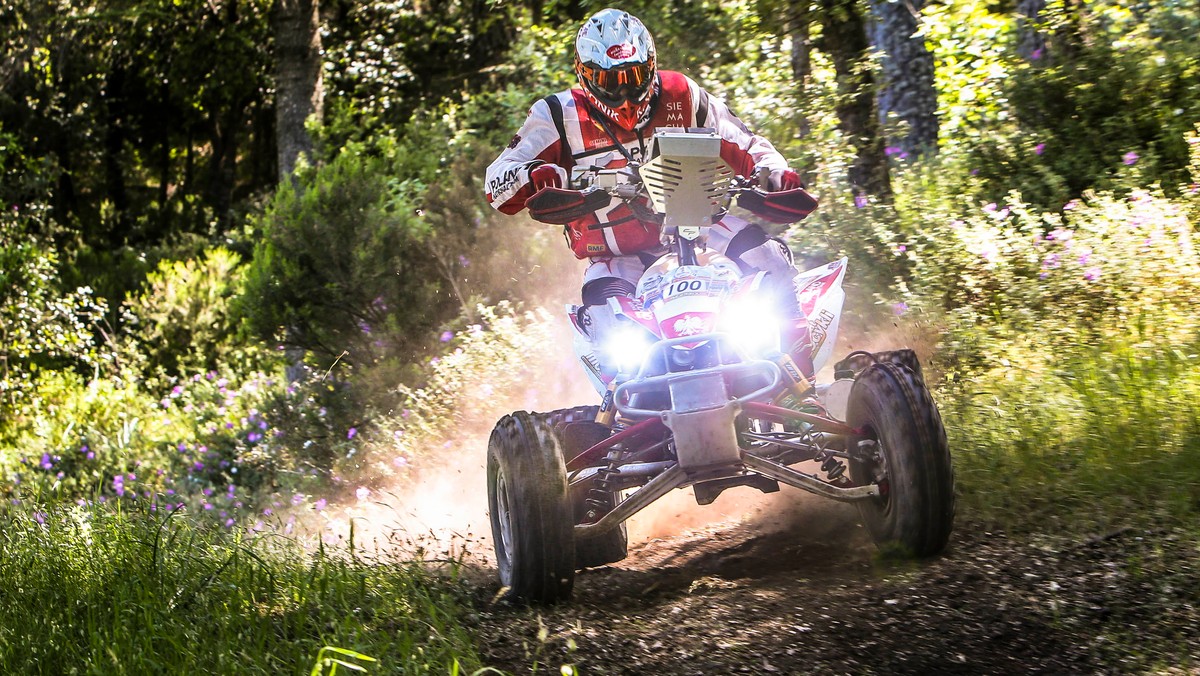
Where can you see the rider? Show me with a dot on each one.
(607, 122)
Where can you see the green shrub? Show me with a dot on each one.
(342, 268)
(181, 321)
(42, 326)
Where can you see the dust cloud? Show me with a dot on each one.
(442, 511)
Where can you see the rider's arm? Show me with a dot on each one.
(744, 150)
(536, 143)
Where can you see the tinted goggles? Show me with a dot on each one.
(625, 83)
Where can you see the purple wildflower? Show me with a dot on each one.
(319, 504)
(1039, 149)
(1092, 273)
(447, 336)
(47, 462)
(899, 308)
(860, 201)
(1130, 158)
(351, 432)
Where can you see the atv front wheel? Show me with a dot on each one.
(532, 529)
(610, 546)
(902, 449)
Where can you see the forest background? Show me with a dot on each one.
(248, 274)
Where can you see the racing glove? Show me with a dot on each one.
(547, 175)
(783, 179)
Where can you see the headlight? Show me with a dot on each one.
(753, 323)
(626, 347)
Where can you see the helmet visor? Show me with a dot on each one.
(628, 82)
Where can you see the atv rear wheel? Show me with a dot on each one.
(902, 449)
(604, 548)
(530, 510)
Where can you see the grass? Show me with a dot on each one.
(103, 591)
(1093, 437)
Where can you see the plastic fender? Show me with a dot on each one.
(821, 297)
(623, 306)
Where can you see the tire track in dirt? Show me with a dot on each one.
(795, 587)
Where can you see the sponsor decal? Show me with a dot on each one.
(608, 112)
(502, 184)
(793, 372)
(818, 329)
(515, 140)
(622, 51)
(596, 248)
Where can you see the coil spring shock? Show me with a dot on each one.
(831, 464)
(599, 498)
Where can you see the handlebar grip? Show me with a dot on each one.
(559, 206)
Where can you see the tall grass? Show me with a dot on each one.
(98, 590)
(1087, 436)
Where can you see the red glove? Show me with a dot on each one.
(547, 175)
(784, 179)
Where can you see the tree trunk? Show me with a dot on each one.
(907, 94)
(845, 40)
(114, 148)
(801, 46)
(1031, 42)
(299, 87)
(801, 58)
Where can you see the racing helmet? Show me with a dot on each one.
(615, 64)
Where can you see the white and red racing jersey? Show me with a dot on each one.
(565, 130)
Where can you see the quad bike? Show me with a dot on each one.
(701, 396)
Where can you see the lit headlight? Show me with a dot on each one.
(626, 347)
(753, 324)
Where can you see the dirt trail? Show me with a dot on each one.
(796, 588)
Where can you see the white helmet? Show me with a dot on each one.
(615, 64)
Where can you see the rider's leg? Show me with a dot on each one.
(604, 278)
(748, 245)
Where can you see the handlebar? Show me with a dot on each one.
(594, 189)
